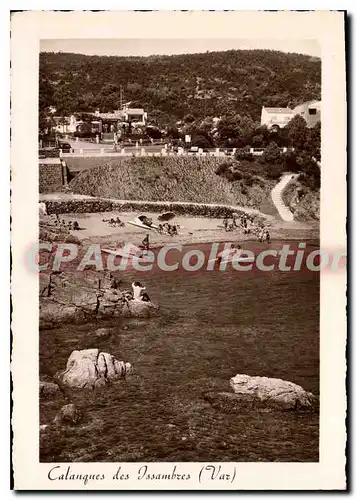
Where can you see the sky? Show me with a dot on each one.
(146, 47)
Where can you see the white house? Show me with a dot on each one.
(310, 111)
(62, 124)
(136, 115)
(276, 117)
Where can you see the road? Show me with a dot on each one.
(88, 146)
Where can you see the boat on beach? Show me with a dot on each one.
(138, 222)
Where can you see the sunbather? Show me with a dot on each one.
(139, 292)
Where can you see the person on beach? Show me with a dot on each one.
(172, 230)
(235, 247)
(225, 223)
(119, 223)
(264, 235)
(146, 243)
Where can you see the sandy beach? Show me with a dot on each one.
(192, 230)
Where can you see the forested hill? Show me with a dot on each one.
(170, 87)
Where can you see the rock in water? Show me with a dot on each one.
(68, 414)
(85, 368)
(278, 392)
(103, 333)
(48, 388)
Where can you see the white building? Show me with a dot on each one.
(310, 111)
(135, 115)
(62, 124)
(276, 117)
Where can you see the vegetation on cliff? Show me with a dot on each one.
(234, 82)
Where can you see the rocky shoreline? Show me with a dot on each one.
(77, 297)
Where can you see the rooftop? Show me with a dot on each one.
(279, 110)
(134, 111)
(315, 104)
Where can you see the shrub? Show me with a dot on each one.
(237, 175)
(201, 141)
(274, 171)
(243, 154)
(248, 180)
(271, 153)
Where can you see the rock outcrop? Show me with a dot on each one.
(70, 297)
(272, 391)
(52, 231)
(91, 369)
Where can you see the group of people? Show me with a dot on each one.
(260, 231)
(114, 222)
(71, 225)
(170, 229)
(234, 224)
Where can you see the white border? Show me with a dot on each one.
(27, 29)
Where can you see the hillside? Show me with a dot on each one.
(171, 87)
(303, 201)
(172, 179)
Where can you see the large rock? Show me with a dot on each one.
(275, 391)
(139, 309)
(90, 368)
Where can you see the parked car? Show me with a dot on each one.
(65, 146)
(228, 151)
(193, 149)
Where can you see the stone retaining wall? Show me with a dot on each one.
(98, 205)
(52, 177)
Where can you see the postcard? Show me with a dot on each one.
(179, 250)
